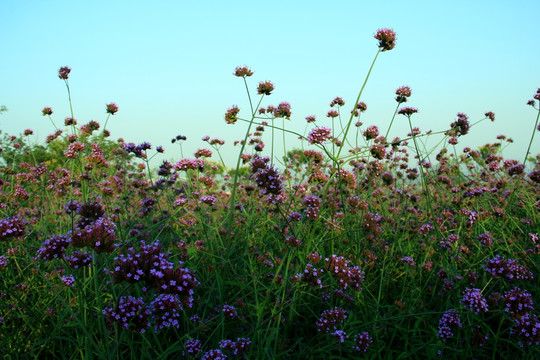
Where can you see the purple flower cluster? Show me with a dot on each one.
(340, 335)
(229, 312)
(166, 309)
(312, 204)
(214, 355)
(239, 347)
(450, 320)
(310, 276)
(266, 177)
(346, 275)
(54, 248)
(518, 302)
(319, 135)
(193, 346)
(68, 280)
(474, 301)
(79, 259)
(12, 227)
(509, 269)
(130, 313)
(527, 327)
(151, 266)
(461, 125)
(331, 319)
(362, 342)
(138, 150)
(189, 164)
(485, 239)
(99, 235)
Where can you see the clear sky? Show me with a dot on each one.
(168, 64)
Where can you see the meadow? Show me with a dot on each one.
(352, 245)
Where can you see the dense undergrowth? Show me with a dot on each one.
(357, 246)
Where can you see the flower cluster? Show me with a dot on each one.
(79, 259)
(387, 39)
(267, 178)
(12, 227)
(461, 125)
(312, 204)
(509, 269)
(319, 135)
(310, 276)
(527, 327)
(231, 116)
(150, 265)
(518, 302)
(214, 355)
(130, 313)
(265, 88)
(474, 301)
(99, 235)
(239, 347)
(193, 346)
(54, 248)
(450, 320)
(362, 342)
(331, 319)
(166, 309)
(346, 275)
(189, 164)
(403, 93)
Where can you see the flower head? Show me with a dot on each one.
(265, 88)
(63, 73)
(47, 111)
(387, 39)
(231, 116)
(242, 71)
(112, 108)
(407, 111)
(402, 94)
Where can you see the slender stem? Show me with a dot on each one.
(356, 102)
(421, 166)
(391, 122)
(233, 193)
(532, 137)
(106, 121)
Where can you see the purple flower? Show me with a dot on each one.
(130, 313)
(12, 227)
(166, 309)
(362, 341)
(319, 135)
(54, 247)
(331, 319)
(449, 321)
(474, 301)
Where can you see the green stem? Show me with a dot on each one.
(424, 182)
(391, 122)
(356, 102)
(235, 182)
(532, 137)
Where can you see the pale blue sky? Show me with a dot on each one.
(168, 64)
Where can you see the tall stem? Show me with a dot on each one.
(233, 193)
(424, 181)
(391, 122)
(356, 102)
(532, 137)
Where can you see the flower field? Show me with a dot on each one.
(353, 245)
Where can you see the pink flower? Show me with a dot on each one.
(387, 39)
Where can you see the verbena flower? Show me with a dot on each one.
(12, 227)
(319, 135)
(448, 322)
(63, 73)
(331, 319)
(403, 93)
(54, 248)
(362, 342)
(243, 71)
(387, 39)
(265, 88)
(474, 300)
(130, 313)
(112, 108)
